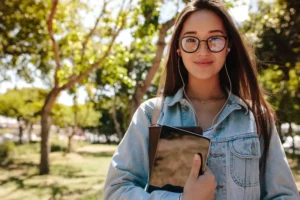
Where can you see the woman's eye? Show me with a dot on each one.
(215, 39)
(190, 40)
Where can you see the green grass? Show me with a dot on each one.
(79, 176)
(294, 163)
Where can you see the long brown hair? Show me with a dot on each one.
(241, 65)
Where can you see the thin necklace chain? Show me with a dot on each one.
(203, 102)
(197, 118)
(212, 99)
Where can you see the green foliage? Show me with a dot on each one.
(274, 30)
(149, 11)
(55, 147)
(6, 150)
(25, 42)
(23, 36)
(63, 115)
(23, 104)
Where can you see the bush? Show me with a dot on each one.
(6, 150)
(57, 147)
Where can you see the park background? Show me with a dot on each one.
(72, 73)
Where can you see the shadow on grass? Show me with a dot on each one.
(70, 172)
(96, 154)
(25, 175)
(57, 191)
(12, 165)
(65, 171)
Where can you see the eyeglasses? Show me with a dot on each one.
(215, 44)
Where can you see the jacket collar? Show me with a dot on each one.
(233, 99)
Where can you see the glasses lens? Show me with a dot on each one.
(189, 44)
(216, 43)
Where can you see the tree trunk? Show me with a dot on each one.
(46, 124)
(70, 136)
(115, 120)
(142, 88)
(30, 132)
(107, 139)
(20, 132)
(69, 147)
(290, 132)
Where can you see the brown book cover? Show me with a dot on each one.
(171, 151)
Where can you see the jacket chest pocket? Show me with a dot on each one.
(244, 161)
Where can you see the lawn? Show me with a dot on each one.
(77, 176)
(295, 169)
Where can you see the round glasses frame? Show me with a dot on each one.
(206, 41)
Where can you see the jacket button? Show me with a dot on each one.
(185, 107)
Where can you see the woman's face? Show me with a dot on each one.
(202, 63)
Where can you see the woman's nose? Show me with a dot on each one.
(203, 49)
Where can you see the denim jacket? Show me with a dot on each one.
(234, 157)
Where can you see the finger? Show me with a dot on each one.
(195, 167)
(207, 171)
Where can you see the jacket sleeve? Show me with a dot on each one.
(277, 183)
(128, 172)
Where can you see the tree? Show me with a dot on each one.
(84, 116)
(64, 78)
(22, 104)
(61, 45)
(274, 29)
(23, 39)
(151, 12)
(75, 118)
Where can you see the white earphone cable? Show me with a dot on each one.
(230, 88)
(197, 118)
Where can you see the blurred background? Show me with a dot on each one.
(72, 73)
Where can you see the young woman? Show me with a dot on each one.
(211, 81)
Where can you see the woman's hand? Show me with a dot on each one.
(199, 187)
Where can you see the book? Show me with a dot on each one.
(171, 151)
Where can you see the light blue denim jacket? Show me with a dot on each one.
(234, 155)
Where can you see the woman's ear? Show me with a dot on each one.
(178, 52)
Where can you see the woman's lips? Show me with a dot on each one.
(203, 63)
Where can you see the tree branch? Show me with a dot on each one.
(74, 79)
(55, 46)
(141, 90)
(92, 30)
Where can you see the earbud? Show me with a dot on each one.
(228, 50)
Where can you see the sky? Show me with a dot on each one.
(239, 13)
